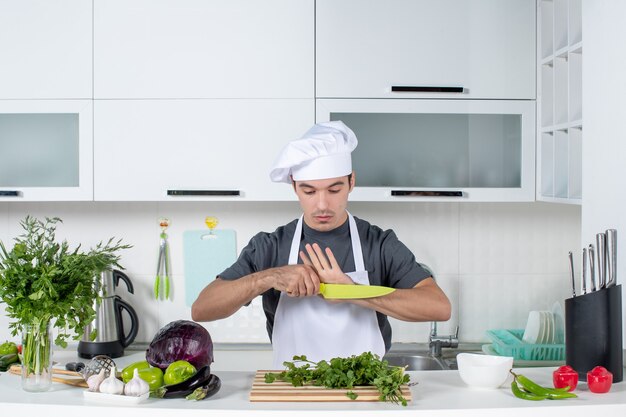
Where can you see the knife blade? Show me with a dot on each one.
(348, 291)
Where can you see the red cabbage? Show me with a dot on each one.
(181, 340)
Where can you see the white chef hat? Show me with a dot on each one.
(323, 152)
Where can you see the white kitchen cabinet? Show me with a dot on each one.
(45, 49)
(559, 92)
(439, 150)
(203, 49)
(193, 150)
(46, 150)
(485, 48)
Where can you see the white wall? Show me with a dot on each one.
(496, 261)
(604, 113)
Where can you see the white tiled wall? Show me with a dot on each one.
(496, 261)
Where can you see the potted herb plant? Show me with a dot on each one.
(46, 285)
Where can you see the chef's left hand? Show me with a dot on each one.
(325, 265)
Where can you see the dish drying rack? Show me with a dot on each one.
(508, 342)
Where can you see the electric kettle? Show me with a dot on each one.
(110, 337)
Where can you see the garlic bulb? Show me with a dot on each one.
(94, 381)
(136, 387)
(112, 385)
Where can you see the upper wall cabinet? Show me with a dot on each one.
(46, 150)
(189, 150)
(439, 150)
(203, 49)
(424, 48)
(45, 49)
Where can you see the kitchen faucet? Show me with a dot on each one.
(437, 342)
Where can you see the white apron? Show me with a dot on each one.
(313, 327)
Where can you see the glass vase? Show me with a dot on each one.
(36, 357)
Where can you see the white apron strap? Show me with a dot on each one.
(313, 327)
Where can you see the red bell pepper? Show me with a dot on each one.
(565, 376)
(599, 380)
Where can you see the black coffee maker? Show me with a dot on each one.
(110, 338)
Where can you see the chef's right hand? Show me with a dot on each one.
(297, 280)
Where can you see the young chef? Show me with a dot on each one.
(326, 244)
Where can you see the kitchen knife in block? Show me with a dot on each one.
(206, 255)
(347, 291)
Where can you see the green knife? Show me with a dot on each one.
(347, 291)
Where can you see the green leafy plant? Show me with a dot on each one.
(44, 282)
(364, 369)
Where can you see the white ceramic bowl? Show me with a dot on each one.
(484, 371)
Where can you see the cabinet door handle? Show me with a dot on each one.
(426, 193)
(214, 193)
(425, 89)
(10, 193)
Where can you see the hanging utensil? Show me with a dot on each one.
(611, 257)
(211, 222)
(583, 276)
(592, 268)
(163, 264)
(571, 270)
(601, 264)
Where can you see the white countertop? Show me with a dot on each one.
(437, 393)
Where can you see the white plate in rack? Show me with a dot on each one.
(114, 399)
(534, 325)
(559, 323)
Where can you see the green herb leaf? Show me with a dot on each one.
(44, 281)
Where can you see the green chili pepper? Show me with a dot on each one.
(537, 390)
(525, 395)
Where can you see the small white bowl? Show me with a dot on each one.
(483, 371)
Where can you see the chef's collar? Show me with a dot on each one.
(314, 233)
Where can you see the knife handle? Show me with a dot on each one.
(601, 264)
(611, 256)
(571, 271)
(592, 268)
(583, 276)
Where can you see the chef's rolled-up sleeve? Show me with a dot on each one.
(400, 268)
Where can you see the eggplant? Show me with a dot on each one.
(211, 388)
(182, 389)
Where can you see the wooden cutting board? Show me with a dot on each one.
(77, 381)
(206, 256)
(279, 391)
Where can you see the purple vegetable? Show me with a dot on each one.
(181, 340)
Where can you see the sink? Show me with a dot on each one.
(418, 357)
(417, 362)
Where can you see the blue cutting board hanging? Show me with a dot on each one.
(205, 257)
